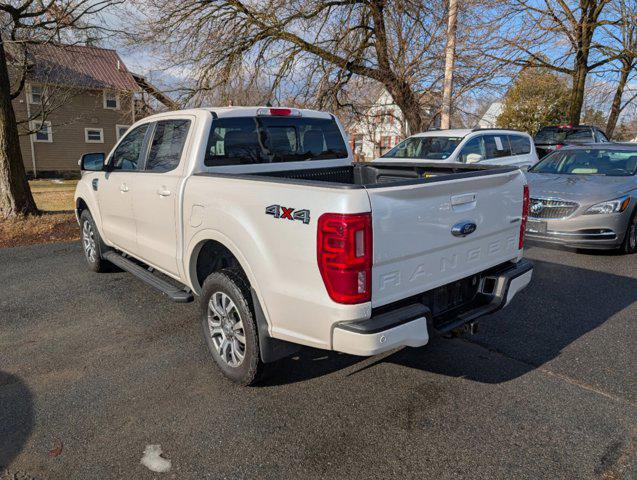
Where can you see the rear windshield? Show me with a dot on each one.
(557, 135)
(249, 140)
(612, 163)
(430, 148)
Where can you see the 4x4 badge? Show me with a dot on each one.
(278, 211)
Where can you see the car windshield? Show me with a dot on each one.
(557, 135)
(612, 163)
(430, 148)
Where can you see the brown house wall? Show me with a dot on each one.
(74, 111)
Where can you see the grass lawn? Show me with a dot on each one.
(57, 222)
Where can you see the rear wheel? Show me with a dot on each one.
(229, 326)
(630, 239)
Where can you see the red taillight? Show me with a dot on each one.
(281, 112)
(558, 146)
(344, 253)
(525, 215)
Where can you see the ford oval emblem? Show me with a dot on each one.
(463, 229)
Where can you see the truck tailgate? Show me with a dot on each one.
(414, 248)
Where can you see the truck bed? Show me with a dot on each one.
(384, 174)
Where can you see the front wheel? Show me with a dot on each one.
(229, 326)
(92, 243)
(630, 239)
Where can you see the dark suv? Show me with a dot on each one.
(552, 138)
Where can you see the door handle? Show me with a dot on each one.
(123, 188)
(163, 193)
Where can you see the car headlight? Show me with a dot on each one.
(612, 206)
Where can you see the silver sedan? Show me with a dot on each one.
(586, 197)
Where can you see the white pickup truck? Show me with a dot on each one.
(262, 214)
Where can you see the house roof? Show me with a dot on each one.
(79, 66)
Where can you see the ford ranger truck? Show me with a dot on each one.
(262, 214)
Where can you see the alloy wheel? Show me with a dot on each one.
(88, 238)
(226, 329)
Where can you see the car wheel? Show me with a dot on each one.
(229, 326)
(630, 239)
(92, 243)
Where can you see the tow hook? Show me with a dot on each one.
(470, 328)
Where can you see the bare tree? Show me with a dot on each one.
(24, 23)
(623, 46)
(450, 54)
(560, 35)
(327, 42)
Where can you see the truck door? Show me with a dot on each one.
(115, 190)
(156, 195)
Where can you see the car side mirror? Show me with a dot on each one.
(474, 158)
(92, 162)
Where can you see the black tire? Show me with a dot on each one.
(89, 233)
(630, 239)
(231, 284)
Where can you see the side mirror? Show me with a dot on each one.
(92, 162)
(474, 158)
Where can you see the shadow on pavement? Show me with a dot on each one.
(561, 304)
(16, 417)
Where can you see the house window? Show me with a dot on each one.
(36, 94)
(120, 130)
(111, 100)
(43, 132)
(94, 135)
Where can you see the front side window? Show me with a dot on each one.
(167, 146)
(425, 148)
(94, 135)
(612, 163)
(472, 151)
(43, 131)
(249, 140)
(126, 155)
(111, 100)
(497, 146)
(520, 145)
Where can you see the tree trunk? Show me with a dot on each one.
(15, 194)
(615, 108)
(409, 103)
(450, 56)
(577, 91)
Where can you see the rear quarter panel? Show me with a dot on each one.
(278, 255)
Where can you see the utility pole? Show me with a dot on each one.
(450, 56)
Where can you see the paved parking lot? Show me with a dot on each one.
(95, 367)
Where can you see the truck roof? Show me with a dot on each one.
(253, 111)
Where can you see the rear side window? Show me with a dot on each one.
(519, 145)
(249, 140)
(126, 155)
(168, 143)
(497, 146)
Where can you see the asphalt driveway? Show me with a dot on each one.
(94, 367)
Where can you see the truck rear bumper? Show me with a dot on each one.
(409, 325)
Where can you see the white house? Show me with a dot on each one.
(490, 117)
(381, 127)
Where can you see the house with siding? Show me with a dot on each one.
(76, 99)
(383, 125)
